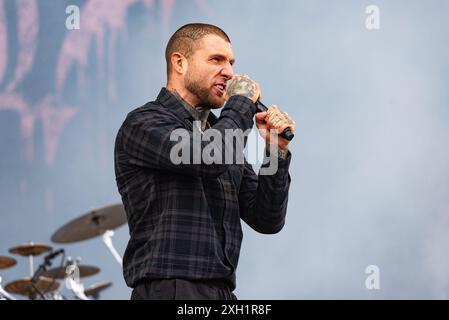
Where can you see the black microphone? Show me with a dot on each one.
(43, 267)
(53, 254)
(287, 133)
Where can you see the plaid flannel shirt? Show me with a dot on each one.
(184, 219)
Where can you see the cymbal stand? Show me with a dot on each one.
(72, 281)
(31, 264)
(107, 239)
(5, 294)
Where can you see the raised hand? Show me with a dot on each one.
(242, 85)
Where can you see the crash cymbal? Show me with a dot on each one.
(25, 287)
(30, 249)
(96, 288)
(60, 273)
(91, 224)
(6, 262)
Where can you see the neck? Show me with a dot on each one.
(199, 108)
(184, 94)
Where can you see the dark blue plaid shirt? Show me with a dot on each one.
(184, 220)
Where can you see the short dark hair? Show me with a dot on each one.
(184, 39)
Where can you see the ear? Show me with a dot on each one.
(179, 63)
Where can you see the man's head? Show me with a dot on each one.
(199, 63)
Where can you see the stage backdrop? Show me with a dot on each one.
(366, 82)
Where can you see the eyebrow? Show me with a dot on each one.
(223, 57)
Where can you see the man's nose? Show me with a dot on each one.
(228, 72)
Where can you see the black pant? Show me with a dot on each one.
(179, 289)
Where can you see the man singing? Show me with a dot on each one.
(184, 218)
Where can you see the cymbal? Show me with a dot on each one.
(25, 287)
(6, 262)
(91, 224)
(60, 273)
(30, 249)
(96, 288)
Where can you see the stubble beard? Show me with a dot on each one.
(203, 94)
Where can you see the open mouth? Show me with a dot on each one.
(220, 87)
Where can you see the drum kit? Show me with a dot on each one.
(44, 283)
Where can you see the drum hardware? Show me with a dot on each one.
(3, 294)
(107, 239)
(7, 262)
(92, 224)
(27, 288)
(30, 249)
(42, 283)
(95, 289)
(72, 281)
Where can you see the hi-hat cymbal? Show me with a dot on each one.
(25, 287)
(6, 262)
(61, 273)
(91, 224)
(30, 249)
(96, 288)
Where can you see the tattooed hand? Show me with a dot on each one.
(276, 120)
(242, 85)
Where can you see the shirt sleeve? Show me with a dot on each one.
(145, 139)
(263, 198)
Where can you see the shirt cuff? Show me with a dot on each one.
(282, 154)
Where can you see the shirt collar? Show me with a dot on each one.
(201, 115)
(168, 99)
